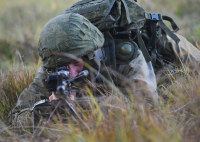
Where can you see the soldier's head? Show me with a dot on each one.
(66, 40)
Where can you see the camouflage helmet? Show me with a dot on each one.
(67, 33)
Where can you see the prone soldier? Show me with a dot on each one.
(70, 40)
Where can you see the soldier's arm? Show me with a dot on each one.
(141, 76)
(33, 94)
(185, 54)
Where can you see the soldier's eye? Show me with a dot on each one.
(77, 62)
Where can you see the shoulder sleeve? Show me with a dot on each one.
(140, 76)
(36, 89)
(186, 55)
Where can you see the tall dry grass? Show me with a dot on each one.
(175, 118)
(13, 82)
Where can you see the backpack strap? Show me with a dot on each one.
(142, 46)
(154, 19)
(168, 31)
(159, 18)
(173, 24)
(111, 50)
(152, 42)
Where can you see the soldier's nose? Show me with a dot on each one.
(73, 71)
(73, 74)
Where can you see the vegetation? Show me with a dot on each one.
(176, 118)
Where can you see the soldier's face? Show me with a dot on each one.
(75, 67)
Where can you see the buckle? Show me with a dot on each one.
(156, 17)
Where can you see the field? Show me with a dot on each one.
(175, 118)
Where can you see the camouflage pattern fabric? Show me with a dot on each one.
(137, 15)
(186, 56)
(67, 33)
(91, 9)
(107, 14)
(142, 76)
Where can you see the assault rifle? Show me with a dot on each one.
(59, 83)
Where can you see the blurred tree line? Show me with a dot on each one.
(21, 22)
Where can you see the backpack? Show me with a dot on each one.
(125, 21)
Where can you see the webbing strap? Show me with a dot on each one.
(168, 31)
(154, 18)
(111, 43)
(154, 57)
(159, 17)
(152, 41)
(173, 24)
(142, 47)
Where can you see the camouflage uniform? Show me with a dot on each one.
(186, 56)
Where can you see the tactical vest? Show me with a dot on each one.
(126, 27)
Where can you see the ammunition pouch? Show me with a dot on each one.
(125, 50)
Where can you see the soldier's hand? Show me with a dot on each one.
(54, 97)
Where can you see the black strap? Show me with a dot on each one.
(154, 18)
(111, 43)
(152, 41)
(142, 47)
(173, 24)
(154, 57)
(168, 31)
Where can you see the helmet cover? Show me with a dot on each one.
(67, 33)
